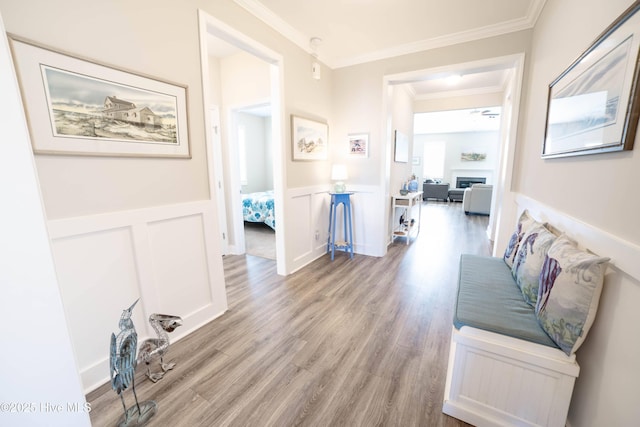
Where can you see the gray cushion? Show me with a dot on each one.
(489, 299)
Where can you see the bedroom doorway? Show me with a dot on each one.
(252, 133)
(239, 72)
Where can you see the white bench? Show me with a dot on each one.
(495, 380)
(503, 369)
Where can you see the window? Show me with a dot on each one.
(434, 152)
(242, 155)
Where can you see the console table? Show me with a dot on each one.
(409, 225)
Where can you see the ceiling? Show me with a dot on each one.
(358, 31)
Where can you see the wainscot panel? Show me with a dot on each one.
(167, 256)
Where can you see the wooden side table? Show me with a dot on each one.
(409, 225)
(345, 245)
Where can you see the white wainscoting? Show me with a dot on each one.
(167, 256)
(308, 222)
(624, 254)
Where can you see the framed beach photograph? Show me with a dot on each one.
(592, 106)
(359, 144)
(77, 106)
(309, 139)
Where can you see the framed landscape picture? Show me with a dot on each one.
(309, 139)
(76, 106)
(592, 106)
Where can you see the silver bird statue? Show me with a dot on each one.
(122, 362)
(152, 348)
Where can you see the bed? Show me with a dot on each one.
(258, 207)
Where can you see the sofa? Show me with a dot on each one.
(514, 337)
(432, 190)
(477, 199)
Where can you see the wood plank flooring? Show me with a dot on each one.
(360, 342)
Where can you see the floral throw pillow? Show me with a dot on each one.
(570, 285)
(524, 222)
(528, 261)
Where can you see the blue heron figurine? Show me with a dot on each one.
(123, 363)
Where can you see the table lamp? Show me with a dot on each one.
(339, 175)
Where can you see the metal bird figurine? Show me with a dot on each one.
(122, 363)
(157, 347)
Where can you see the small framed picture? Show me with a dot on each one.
(359, 144)
(416, 161)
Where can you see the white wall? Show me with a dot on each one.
(596, 191)
(456, 144)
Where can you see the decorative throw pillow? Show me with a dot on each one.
(529, 259)
(570, 286)
(524, 222)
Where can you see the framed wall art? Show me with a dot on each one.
(77, 106)
(592, 106)
(309, 139)
(401, 147)
(359, 144)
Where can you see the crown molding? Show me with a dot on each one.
(274, 21)
(302, 40)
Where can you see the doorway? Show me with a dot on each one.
(237, 73)
(511, 67)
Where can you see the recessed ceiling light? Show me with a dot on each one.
(453, 79)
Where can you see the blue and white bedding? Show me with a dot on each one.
(258, 207)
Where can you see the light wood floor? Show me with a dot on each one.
(360, 342)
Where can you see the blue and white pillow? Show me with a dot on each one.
(528, 261)
(524, 222)
(571, 282)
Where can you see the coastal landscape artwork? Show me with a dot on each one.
(309, 139)
(79, 106)
(593, 105)
(82, 106)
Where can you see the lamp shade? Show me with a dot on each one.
(339, 173)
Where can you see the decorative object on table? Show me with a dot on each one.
(404, 190)
(122, 361)
(158, 347)
(339, 175)
(401, 147)
(359, 144)
(79, 106)
(593, 106)
(309, 139)
(413, 184)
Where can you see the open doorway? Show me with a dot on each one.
(431, 87)
(239, 75)
(252, 134)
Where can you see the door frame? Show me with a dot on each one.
(210, 26)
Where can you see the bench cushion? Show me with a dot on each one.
(489, 299)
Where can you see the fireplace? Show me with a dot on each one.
(468, 181)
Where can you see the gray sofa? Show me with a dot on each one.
(435, 191)
(477, 199)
